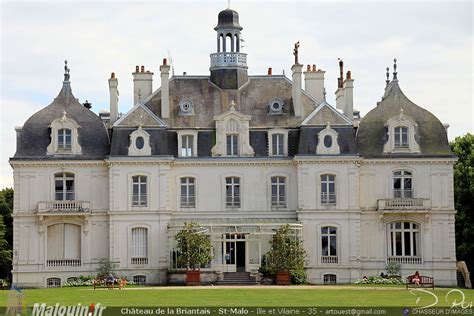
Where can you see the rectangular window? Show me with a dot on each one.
(330, 279)
(232, 188)
(64, 187)
(139, 245)
(278, 192)
(402, 184)
(401, 137)
(64, 139)
(277, 144)
(329, 241)
(404, 239)
(328, 189)
(187, 146)
(139, 191)
(188, 197)
(232, 145)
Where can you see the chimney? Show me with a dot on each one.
(142, 84)
(296, 89)
(165, 89)
(269, 71)
(340, 102)
(314, 82)
(113, 84)
(348, 86)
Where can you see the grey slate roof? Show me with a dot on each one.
(34, 137)
(162, 142)
(308, 140)
(372, 133)
(209, 101)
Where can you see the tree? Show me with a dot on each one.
(287, 253)
(463, 147)
(5, 253)
(194, 246)
(6, 238)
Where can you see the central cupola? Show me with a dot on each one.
(228, 65)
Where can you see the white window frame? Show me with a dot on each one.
(64, 177)
(273, 132)
(189, 200)
(139, 245)
(133, 150)
(414, 235)
(233, 146)
(184, 133)
(276, 200)
(398, 121)
(140, 203)
(321, 148)
(399, 132)
(63, 143)
(402, 192)
(325, 198)
(235, 199)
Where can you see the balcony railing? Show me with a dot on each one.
(228, 60)
(404, 260)
(329, 259)
(403, 204)
(52, 207)
(141, 260)
(63, 262)
(188, 201)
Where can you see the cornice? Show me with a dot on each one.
(419, 161)
(57, 163)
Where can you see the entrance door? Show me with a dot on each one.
(230, 256)
(240, 256)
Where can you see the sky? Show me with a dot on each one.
(432, 41)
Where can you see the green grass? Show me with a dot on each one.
(249, 297)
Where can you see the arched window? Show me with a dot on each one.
(229, 45)
(328, 189)
(232, 188)
(53, 282)
(402, 184)
(188, 192)
(139, 191)
(329, 244)
(139, 245)
(278, 192)
(63, 245)
(64, 186)
(404, 240)
(64, 139)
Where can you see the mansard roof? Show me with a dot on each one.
(35, 135)
(372, 133)
(251, 99)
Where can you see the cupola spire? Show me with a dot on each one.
(395, 69)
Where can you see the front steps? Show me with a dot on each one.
(237, 278)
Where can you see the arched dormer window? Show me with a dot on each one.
(327, 142)
(401, 135)
(64, 137)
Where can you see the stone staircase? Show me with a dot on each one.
(237, 278)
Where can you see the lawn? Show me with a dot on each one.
(296, 296)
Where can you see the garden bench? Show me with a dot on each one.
(425, 281)
(100, 282)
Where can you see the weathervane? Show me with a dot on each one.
(295, 52)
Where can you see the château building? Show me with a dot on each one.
(241, 155)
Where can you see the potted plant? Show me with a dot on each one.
(195, 250)
(286, 254)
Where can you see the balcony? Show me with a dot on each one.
(63, 207)
(63, 263)
(228, 60)
(403, 204)
(139, 260)
(405, 260)
(329, 259)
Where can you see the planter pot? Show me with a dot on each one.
(283, 278)
(193, 277)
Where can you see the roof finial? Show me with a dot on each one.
(66, 71)
(395, 69)
(295, 52)
(388, 76)
(139, 95)
(324, 93)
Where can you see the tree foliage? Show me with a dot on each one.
(6, 232)
(5, 253)
(194, 246)
(286, 252)
(463, 147)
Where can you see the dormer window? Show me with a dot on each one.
(278, 142)
(232, 145)
(64, 137)
(401, 135)
(139, 143)
(327, 142)
(187, 143)
(275, 106)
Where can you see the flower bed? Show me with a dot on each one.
(379, 280)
